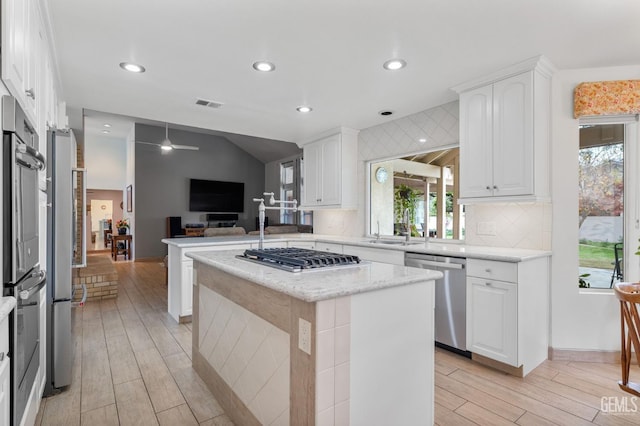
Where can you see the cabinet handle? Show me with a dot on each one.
(487, 284)
(319, 199)
(488, 270)
(488, 188)
(31, 94)
(495, 187)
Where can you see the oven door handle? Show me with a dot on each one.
(34, 154)
(28, 294)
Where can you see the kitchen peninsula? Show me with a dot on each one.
(349, 345)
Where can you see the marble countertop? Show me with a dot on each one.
(7, 304)
(415, 246)
(320, 284)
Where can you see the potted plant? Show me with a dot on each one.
(405, 198)
(122, 226)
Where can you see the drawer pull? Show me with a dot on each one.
(487, 284)
(488, 270)
(1, 356)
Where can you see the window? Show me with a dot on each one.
(292, 187)
(605, 202)
(399, 185)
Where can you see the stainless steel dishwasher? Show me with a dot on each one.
(450, 301)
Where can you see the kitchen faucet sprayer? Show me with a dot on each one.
(262, 208)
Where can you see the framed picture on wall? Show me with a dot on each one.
(129, 198)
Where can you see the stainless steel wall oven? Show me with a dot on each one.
(22, 277)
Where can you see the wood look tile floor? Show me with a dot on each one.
(133, 367)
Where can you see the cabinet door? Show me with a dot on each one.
(476, 134)
(15, 29)
(492, 319)
(330, 171)
(34, 58)
(5, 390)
(312, 174)
(395, 257)
(513, 135)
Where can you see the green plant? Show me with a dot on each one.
(405, 198)
(582, 283)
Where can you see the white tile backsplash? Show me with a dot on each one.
(518, 225)
(250, 354)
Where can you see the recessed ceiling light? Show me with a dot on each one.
(263, 66)
(106, 131)
(304, 109)
(394, 64)
(422, 140)
(385, 112)
(107, 125)
(131, 67)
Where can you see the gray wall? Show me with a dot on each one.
(161, 186)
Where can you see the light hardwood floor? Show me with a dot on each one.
(133, 367)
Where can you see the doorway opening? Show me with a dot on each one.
(104, 208)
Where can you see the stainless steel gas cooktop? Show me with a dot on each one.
(298, 259)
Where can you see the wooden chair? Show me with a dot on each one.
(629, 296)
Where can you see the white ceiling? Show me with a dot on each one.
(328, 55)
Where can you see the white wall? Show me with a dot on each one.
(106, 162)
(580, 320)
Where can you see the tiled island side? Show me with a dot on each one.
(345, 346)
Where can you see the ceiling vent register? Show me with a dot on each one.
(210, 104)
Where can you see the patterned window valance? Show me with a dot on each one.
(606, 98)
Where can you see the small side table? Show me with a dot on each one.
(127, 241)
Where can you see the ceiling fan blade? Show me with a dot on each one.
(189, 147)
(148, 143)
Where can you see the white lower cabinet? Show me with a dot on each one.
(508, 311)
(4, 391)
(373, 254)
(492, 317)
(5, 385)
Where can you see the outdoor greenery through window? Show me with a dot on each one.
(422, 185)
(601, 204)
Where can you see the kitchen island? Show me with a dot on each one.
(350, 345)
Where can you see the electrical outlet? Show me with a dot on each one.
(304, 335)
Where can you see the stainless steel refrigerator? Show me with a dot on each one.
(62, 253)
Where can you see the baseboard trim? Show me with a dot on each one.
(497, 365)
(611, 357)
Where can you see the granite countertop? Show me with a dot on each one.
(416, 245)
(7, 304)
(315, 285)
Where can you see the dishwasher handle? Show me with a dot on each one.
(442, 265)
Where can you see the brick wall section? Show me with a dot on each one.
(100, 277)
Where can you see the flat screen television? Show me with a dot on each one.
(216, 196)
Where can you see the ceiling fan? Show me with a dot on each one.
(166, 145)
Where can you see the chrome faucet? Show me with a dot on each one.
(262, 208)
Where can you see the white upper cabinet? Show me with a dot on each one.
(15, 34)
(504, 135)
(27, 67)
(330, 171)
